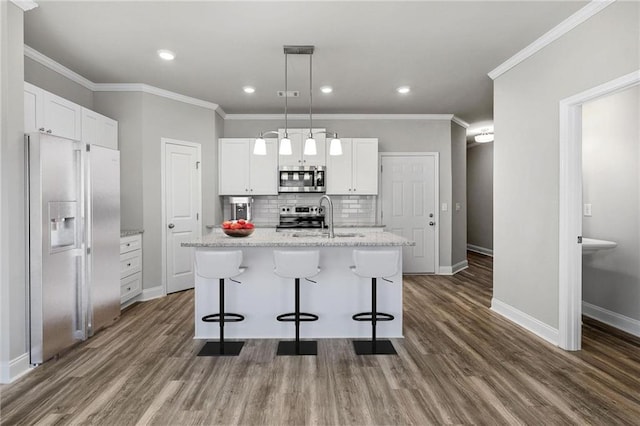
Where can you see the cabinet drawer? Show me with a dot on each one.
(130, 263)
(130, 287)
(130, 243)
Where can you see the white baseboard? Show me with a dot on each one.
(526, 321)
(614, 319)
(481, 250)
(151, 293)
(452, 270)
(14, 369)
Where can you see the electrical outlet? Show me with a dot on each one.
(587, 210)
(445, 207)
(457, 207)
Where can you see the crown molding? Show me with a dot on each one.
(555, 33)
(25, 5)
(448, 117)
(31, 53)
(460, 122)
(141, 87)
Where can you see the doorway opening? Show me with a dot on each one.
(571, 208)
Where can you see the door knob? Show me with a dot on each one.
(171, 226)
(432, 223)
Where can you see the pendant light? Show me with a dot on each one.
(310, 146)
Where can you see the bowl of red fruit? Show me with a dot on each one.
(238, 228)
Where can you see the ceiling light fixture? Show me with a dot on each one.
(326, 89)
(310, 147)
(167, 55)
(403, 90)
(249, 89)
(484, 136)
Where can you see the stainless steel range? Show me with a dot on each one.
(305, 217)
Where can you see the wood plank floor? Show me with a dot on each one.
(459, 364)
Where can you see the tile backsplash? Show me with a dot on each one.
(347, 209)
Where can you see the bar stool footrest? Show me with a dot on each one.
(228, 317)
(291, 317)
(382, 347)
(368, 316)
(215, 349)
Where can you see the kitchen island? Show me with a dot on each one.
(337, 294)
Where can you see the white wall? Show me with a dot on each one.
(13, 277)
(611, 184)
(480, 195)
(526, 153)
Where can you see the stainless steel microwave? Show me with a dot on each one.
(301, 179)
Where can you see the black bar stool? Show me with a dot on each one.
(220, 265)
(373, 264)
(297, 264)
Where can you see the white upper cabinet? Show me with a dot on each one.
(33, 104)
(62, 117)
(355, 172)
(298, 136)
(243, 173)
(46, 112)
(99, 130)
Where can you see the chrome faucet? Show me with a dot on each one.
(326, 197)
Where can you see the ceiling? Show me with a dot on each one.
(364, 50)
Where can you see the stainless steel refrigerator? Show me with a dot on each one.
(74, 242)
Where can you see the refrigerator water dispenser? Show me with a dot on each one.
(62, 225)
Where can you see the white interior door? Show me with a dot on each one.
(408, 207)
(182, 212)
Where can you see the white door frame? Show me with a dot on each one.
(436, 201)
(570, 253)
(163, 233)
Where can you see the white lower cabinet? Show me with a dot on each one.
(130, 267)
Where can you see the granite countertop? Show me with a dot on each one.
(268, 237)
(129, 232)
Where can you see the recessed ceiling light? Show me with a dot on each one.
(167, 55)
(326, 89)
(403, 90)
(249, 89)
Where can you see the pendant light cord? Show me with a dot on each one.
(286, 96)
(310, 95)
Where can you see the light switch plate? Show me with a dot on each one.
(457, 207)
(587, 210)
(445, 207)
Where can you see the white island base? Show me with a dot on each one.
(336, 296)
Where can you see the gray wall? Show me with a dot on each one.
(480, 195)
(126, 109)
(526, 154)
(165, 118)
(13, 278)
(459, 193)
(393, 136)
(49, 80)
(611, 184)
